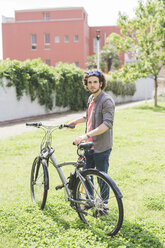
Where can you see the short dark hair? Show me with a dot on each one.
(95, 73)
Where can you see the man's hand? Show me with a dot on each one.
(77, 121)
(72, 123)
(79, 139)
(97, 131)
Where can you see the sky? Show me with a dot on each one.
(100, 13)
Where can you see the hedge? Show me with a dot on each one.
(38, 80)
(42, 82)
(119, 88)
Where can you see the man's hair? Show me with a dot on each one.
(94, 73)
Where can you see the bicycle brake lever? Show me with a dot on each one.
(65, 125)
(70, 126)
(34, 124)
(61, 126)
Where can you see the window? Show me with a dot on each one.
(46, 16)
(66, 38)
(47, 61)
(47, 38)
(76, 38)
(34, 41)
(47, 41)
(57, 39)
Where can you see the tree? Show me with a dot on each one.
(143, 37)
(92, 62)
(109, 59)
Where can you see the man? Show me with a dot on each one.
(99, 122)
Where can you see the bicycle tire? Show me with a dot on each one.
(39, 182)
(106, 213)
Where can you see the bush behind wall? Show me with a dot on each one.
(119, 88)
(42, 82)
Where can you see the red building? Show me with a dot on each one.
(54, 35)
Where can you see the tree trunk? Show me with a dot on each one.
(156, 92)
(109, 64)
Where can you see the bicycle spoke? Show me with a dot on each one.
(103, 210)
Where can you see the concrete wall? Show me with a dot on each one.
(11, 108)
(144, 91)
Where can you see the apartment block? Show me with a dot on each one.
(54, 35)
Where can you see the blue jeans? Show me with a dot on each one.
(100, 161)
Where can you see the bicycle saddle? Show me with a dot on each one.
(86, 145)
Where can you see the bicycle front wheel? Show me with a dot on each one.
(39, 182)
(100, 205)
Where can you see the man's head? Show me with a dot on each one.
(93, 76)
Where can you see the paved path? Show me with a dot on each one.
(12, 129)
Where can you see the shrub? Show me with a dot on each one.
(41, 81)
(70, 90)
(120, 88)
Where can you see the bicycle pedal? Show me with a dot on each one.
(59, 187)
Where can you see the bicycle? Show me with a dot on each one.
(91, 193)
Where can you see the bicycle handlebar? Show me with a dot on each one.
(34, 124)
(65, 125)
(39, 124)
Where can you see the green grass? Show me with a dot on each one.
(137, 164)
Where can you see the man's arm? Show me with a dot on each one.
(77, 121)
(97, 131)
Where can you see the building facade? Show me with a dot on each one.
(54, 35)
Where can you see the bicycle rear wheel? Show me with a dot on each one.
(104, 212)
(39, 182)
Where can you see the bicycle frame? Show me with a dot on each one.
(61, 174)
(63, 178)
(46, 152)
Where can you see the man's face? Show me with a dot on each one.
(93, 84)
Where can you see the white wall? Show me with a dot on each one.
(144, 91)
(11, 108)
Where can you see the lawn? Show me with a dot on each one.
(137, 164)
